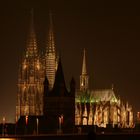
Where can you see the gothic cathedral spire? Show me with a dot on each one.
(84, 69)
(31, 42)
(50, 56)
(30, 81)
(84, 76)
(51, 44)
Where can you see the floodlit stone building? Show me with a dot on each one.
(100, 107)
(32, 72)
(30, 79)
(35, 97)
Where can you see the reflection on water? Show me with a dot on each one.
(45, 137)
(7, 139)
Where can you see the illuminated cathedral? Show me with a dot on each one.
(92, 107)
(32, 72)
(30, 80)
(100, 107)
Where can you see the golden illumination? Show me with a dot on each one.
(7, 138)
(102, 113)
(26, 119)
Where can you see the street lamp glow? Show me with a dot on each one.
(37, 122)
(26, 119)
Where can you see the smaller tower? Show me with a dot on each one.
(59, 103)
(84, 76)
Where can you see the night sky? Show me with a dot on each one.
(109, 31)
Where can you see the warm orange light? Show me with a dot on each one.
(38, 66)
(62, 119)
(26, 119)
(3, 120)
(24, 66)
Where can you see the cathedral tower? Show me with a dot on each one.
(50, 56)
(30, 80)
(84, 76)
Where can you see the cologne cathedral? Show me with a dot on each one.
(32, 72)
(30, 80)
(42, 91)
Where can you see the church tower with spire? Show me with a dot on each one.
(59, 103)
(84, 76)
(30, 80)
(50, 56)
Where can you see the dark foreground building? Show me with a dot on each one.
(59, 103)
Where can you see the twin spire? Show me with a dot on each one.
(32, 43)
(50, 63)
(51, 56)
